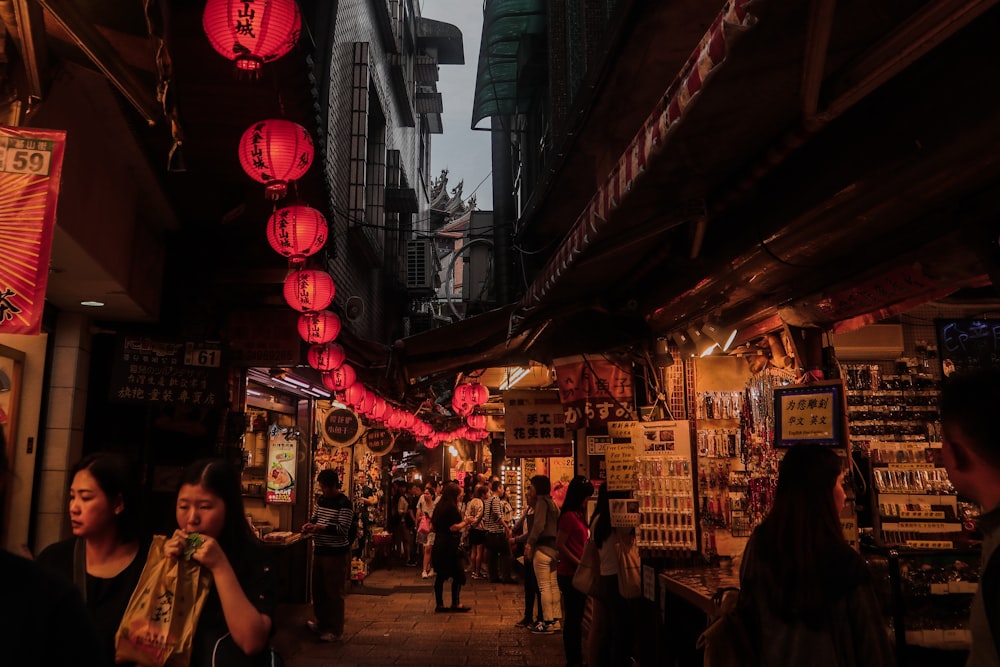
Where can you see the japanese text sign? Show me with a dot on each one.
(809, 413)
(594, 390)
(30, 168)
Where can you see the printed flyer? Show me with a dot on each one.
(281, 457)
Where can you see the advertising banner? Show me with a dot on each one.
(281, 458)
(594, 389)
(30, 167)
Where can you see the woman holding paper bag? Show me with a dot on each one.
(236, 621)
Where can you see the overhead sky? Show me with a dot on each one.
(464, 152)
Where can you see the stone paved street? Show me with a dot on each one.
(391, 621)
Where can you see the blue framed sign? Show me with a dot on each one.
(810, 413)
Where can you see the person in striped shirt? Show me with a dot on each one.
(330, 528)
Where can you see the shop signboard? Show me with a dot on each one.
(167, 372)
(340, 427)
(968, 343)
(30, 168)
(621, 466)
(379, 441)
(282, 455)
(809, 413)
(534, 424)
(594, 389)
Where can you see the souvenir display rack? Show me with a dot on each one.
(666, 504)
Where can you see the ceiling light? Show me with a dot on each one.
(514, 375)
(723, 336)
(92, 304)
(703, 345)
(297, 382)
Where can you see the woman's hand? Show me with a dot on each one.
(205, 550)
(176, 544)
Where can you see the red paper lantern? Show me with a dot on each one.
(355, 393)
(341, 378)
(275, 152)
(252, 32)
(379, 408)
(394, 419)
(367, 402)
(477, 422)
(479, 393)
(326, 357)
(319, 327)
(296, 232)
(309, 289)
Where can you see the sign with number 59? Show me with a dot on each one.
(25, 156)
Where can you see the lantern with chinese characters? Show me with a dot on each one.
(476, 421)
(252, 32)
(379, 408)
(467, 396)
(296, 232)
(326, 357)
(319, 327)
(355, 393)
(341, 378)
(275, 152)
(309, 289)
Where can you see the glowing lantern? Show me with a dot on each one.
(477, 422)
(309, 289)
(355, 393)
(379, 408)
(341, 378)
(367, 402)
(296, 232)
(326, 357)
(319, 327)
(480, 394)
(394, 419)
(275, 152)
(252, 32)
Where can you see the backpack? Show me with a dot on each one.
(728, 642)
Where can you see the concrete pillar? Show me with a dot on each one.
(64, 425)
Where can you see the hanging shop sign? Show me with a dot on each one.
(379, 441)
(30, 168)
(809, 413)
(594, 390)
(165, 372)
(534, 424)
(340, 427)
(282, 454)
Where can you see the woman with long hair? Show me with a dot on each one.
(474, 512)
(611, 611)
(106, 554)
(448, 525)
(808, 592)
(237, 619)
(571, 536)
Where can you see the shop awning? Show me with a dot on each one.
(505, 24)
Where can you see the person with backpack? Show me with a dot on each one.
(331, 527)
(805, 594)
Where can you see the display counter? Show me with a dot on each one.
(289, 553)
(697, 585)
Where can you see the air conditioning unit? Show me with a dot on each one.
(873, 342)
(421, 266)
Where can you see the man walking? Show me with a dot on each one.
(330, 527)
(970, 448)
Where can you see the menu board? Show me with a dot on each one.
(282, 454)
(164, 372)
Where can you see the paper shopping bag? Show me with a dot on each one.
(161, 617)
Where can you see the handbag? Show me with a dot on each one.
(161, 617)
(587, 577)
(424, 527)
(629, 568)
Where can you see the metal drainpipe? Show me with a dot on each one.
(504, 210)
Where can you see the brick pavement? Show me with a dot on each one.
(390, 620)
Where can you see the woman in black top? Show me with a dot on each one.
(808, 592)
(105, 556)
(448, 524)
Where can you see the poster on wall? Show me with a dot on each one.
(621, 466)
(281, 459)
(561, 471)
(663, 437)
(11, 366)
(30, 168)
